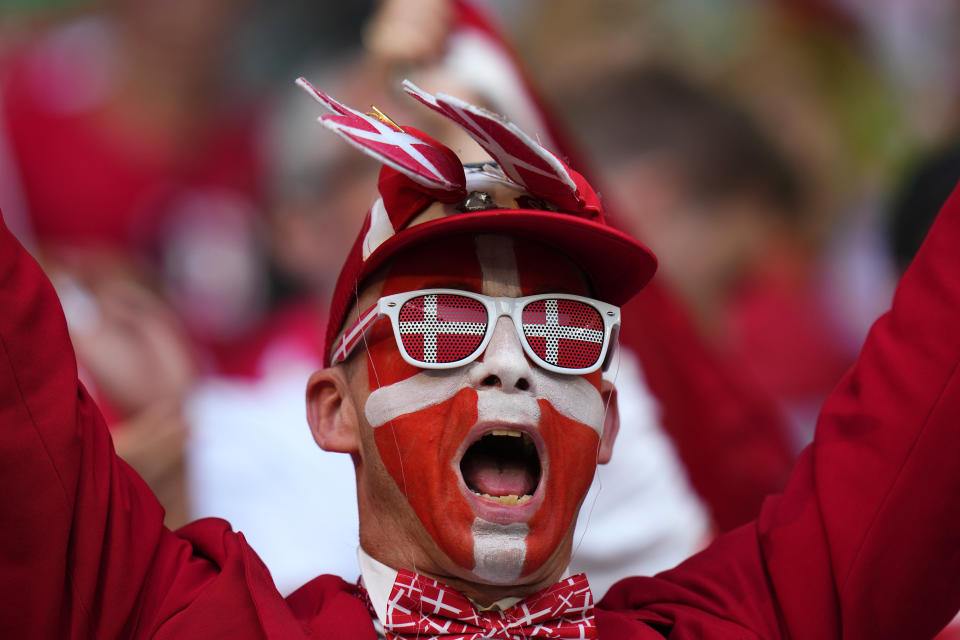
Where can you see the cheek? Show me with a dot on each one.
(385, 365)
(573, 460)
(417, 450)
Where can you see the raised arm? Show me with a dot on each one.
(883, 469)
(865, 540)
(78, 528)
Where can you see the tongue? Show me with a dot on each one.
(497, 477)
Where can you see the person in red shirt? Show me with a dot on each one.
(470, 327)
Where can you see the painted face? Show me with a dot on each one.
(496, 456)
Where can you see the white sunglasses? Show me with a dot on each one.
(447, 328)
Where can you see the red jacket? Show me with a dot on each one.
(864, 542)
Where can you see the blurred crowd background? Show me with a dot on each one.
(783, 158)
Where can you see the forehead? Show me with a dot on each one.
(489, 264)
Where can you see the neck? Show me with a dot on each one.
(418, 561)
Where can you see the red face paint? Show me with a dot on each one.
(573, 460)
(423, 423)
(413, 448)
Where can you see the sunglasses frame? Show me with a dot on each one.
(390, 306)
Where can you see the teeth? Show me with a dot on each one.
(506, 432)
(511, 499)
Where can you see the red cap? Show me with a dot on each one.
(526, 193)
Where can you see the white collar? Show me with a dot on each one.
(378, 580)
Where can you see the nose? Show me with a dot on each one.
(504, 364)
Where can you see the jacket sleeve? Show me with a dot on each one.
(78, 528)
(865, 540)
(876, 497)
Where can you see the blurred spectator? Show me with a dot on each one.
(696, 178)
(693, 176)
(122, 133)
(723, 208)
(132, 355)
(131, 168)
(252, 459)
(809, 73)
(319, 192)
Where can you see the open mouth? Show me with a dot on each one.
(502, 466)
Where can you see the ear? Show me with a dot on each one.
(331, 412)
(611, 421)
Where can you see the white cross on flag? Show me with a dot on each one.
(565, 333)
(419, 160)
(442, 327)
(522, 159)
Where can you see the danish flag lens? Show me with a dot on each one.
(565, 333)
(441, 328)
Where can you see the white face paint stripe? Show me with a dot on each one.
(494, 405)
(416, 393)
(572, 397)
(499, 550)
(498, 264)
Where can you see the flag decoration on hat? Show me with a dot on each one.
(521, 160)
(431, 165)
(524, 191)
(524, 161)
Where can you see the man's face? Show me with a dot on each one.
(494, 457)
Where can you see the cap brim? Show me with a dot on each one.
(617, 265)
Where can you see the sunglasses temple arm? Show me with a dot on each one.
(352, 336)
(612, 348)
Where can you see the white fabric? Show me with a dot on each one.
(251, 460)
(378, 580)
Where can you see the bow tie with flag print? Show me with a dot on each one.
(420, 607)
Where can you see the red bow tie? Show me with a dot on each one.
(423, 608)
